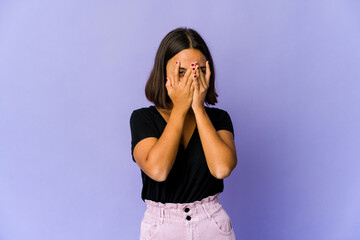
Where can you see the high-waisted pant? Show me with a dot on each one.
(205, 219)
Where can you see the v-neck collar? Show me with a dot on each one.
(165, 122)
(192, 136)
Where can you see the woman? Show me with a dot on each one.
(183, 148)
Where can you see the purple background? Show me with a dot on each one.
(71, 72)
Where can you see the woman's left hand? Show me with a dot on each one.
(201, 85)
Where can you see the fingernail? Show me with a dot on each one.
(192, 64)
(194, 75)
(193, 68)
(177, 62)
(207, 61)
(197, 67)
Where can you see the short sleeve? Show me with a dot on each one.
(141, 127)
(222, 121)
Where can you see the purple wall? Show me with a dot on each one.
(71, 72)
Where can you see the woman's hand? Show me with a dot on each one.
(201, 85)
(180, 92)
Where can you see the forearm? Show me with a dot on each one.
(220, 158)
(163, 154)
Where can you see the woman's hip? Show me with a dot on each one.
(204, 219)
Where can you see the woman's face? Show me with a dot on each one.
(186, 57)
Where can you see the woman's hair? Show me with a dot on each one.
(174, 42)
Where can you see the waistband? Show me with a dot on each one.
(183, 212)
(213, 198)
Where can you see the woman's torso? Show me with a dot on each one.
(189, 179)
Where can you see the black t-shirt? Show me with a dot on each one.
(189, 179)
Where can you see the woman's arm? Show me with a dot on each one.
(155, 156)
(219, 147)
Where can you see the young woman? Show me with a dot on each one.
(183, 148)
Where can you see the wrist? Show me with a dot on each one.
(179, 111)
(199, 109)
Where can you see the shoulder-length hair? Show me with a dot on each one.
(174, 42)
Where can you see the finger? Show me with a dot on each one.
(193, 75)
(196, 77)
(176, 74)
(189, 83)
(193, 87)
(201, 79)
(196, 80)
(207, 73)
(187, 75)
(196, 85)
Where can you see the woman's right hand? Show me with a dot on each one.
(180, 91)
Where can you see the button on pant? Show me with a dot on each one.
(205, 219)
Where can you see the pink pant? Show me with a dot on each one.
(205, 219)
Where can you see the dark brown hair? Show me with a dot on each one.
(174, 42)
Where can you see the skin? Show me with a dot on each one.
(188, 76)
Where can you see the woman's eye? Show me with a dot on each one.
(203, 70)
(181, 73)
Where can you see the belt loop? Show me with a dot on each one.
(206, 212)
(161, 215)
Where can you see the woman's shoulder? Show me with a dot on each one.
(144, 113)
(220, 119)
(144, 110)
(215, 111)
